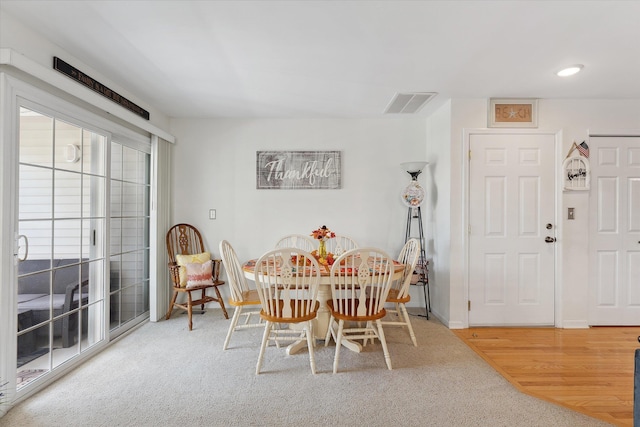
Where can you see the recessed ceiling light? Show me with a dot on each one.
(570, 71)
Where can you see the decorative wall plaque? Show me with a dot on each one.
(96, 86)
(576, 168)
(294, 170)
(512, 112)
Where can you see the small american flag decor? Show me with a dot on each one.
(583, 148)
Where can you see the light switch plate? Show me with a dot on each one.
(212, 214)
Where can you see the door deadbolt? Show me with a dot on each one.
(549, 226)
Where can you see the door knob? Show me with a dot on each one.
(549, 239)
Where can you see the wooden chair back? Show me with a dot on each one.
(238, 285)
(409, 257)
(340, 244)
(183, 239)
(297, 241)
(360, 282)
(287, 280)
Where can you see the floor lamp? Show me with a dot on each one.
(412, 196)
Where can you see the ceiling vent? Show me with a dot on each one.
(409, 103)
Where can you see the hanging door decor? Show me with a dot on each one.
(576, 168)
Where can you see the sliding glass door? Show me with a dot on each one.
(83, 224)
(61, 218)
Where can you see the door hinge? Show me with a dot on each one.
(469, 230)
(469, 305)
(469, 154)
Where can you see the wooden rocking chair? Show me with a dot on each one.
(185, 239)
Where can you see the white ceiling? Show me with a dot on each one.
(343, 58)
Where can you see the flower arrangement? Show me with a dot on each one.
(323, 234)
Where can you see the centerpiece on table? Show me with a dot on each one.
(323, 234)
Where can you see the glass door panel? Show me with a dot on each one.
(129, 244)
(61, 195)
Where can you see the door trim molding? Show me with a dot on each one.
(613, 133)
(557, 134)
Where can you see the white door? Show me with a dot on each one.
(511, 229)
(614, 225)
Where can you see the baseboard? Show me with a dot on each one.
(456, 325)
(575, 324)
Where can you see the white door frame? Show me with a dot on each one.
(557, 217)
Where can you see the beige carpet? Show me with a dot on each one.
(164, 375)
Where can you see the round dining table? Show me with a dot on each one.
(321, 322)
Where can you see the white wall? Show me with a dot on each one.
(25, 41)
(575, 118)
(438, 209)
(214, 165)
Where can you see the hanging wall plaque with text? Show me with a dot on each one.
(295, 170)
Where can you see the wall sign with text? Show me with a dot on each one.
(294, 170)
(512, 112)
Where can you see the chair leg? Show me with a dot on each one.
(338, 345)
(171, 303)
(383, 340)
(221, 302)
(263, 345)
(311, 343)
(329, 332)
(370, 334)
(408, 323)
(366, 333)
(234, 321)
(190, 309)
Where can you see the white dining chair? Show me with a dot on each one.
(241, 295)
(360, 283)
(287, 280)
(399, 292)
(299, 241)
(340, 244)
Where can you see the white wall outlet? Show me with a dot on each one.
(212, 214)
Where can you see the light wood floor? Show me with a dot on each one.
(587, 370)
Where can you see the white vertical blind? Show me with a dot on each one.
(160, 223)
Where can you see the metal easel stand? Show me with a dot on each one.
(422, 267)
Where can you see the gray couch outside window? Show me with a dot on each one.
(45, 285)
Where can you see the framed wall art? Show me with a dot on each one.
(513, 112)
(295, 170)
